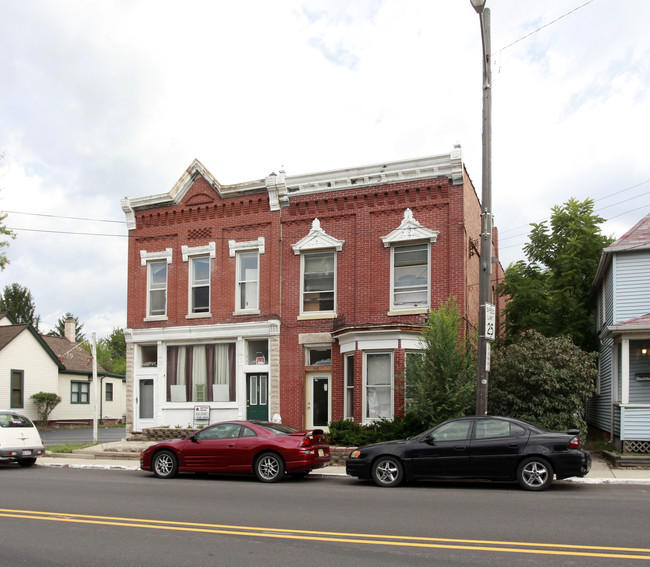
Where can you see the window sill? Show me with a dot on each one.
(246, 312)
(414, 311)
(198, 316)
(305, 317)
(155, 318)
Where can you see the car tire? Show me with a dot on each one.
(269, 467)
(388, 472)
(26, 462)
(534, 473)
(164, 464)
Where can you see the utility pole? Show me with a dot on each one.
(486, 309)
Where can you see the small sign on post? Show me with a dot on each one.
(201, 416)
(490, 322)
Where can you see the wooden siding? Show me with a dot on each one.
(632, 292)
(636, 423)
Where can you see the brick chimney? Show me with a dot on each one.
(69, 330)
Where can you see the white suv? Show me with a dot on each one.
(19, 439)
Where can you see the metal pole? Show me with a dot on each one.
(95, 388)
(485, 281)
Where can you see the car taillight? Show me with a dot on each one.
(306, 442)
(575, 443)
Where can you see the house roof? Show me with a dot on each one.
(9, 332)
(69, 356)
(637, 325)
(637, 238)
(73, 356)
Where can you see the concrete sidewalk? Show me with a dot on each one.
(124, 455)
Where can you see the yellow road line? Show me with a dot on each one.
(340, 537)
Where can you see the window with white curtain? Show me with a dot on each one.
(247, 281)
(379, 385)
(201, 373)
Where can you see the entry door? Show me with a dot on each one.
(144, 403)
(257, 396)
(317, 413)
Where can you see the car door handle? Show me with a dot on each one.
(231, 445)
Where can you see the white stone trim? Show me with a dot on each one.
(249, 245)
(151, 256)
(209, 249)
(317, 239)
(409, 230)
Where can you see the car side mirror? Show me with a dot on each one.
(193, 439)
(430, 439)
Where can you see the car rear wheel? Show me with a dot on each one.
(535, 473)
(387, 472)
(26, 462)
(269, 467)
(165, 464)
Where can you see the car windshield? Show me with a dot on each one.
(14, 420)
(278, 428)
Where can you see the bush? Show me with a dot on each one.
(346, 433)
(45, 403)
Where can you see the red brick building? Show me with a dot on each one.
(293, 296)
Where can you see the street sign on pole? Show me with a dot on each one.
(490, 322)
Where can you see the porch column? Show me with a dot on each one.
(625, 371)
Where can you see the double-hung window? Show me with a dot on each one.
(379, 385)
(157, 285)
(410, 265)
(318, 282)
(200, 284)
(199, 259)
(410, 271)
(80, 393)
(17, 384)
(156, 264)
(318, 257)
(248, 281)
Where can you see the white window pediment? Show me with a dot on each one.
(209, 249)
(248, 246)
(409, 229)
(317, 239)
(153, 256)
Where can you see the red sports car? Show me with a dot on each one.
(267, 450)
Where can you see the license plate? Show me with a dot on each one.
(321, 452)
(28, 452)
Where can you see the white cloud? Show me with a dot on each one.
(103, 100)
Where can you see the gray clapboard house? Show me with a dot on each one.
(621, 406)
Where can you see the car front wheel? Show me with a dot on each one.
(535, 473)
(269, 467)
(165, 464)
(387, 472)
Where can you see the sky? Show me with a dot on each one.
(108, 99)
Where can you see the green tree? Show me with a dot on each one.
(551, 292)
(441, 383)
(542, 380)
(19, 303)
(111, 352)
(45, 404)
(59, 328)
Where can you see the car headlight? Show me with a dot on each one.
(355, 454)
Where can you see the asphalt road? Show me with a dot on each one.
(62, 436)
(63, 516)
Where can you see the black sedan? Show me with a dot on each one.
(267, 450)
(484, 448)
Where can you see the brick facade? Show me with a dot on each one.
(356, 217)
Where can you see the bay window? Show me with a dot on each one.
(379, 385)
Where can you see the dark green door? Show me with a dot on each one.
(257, 396)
